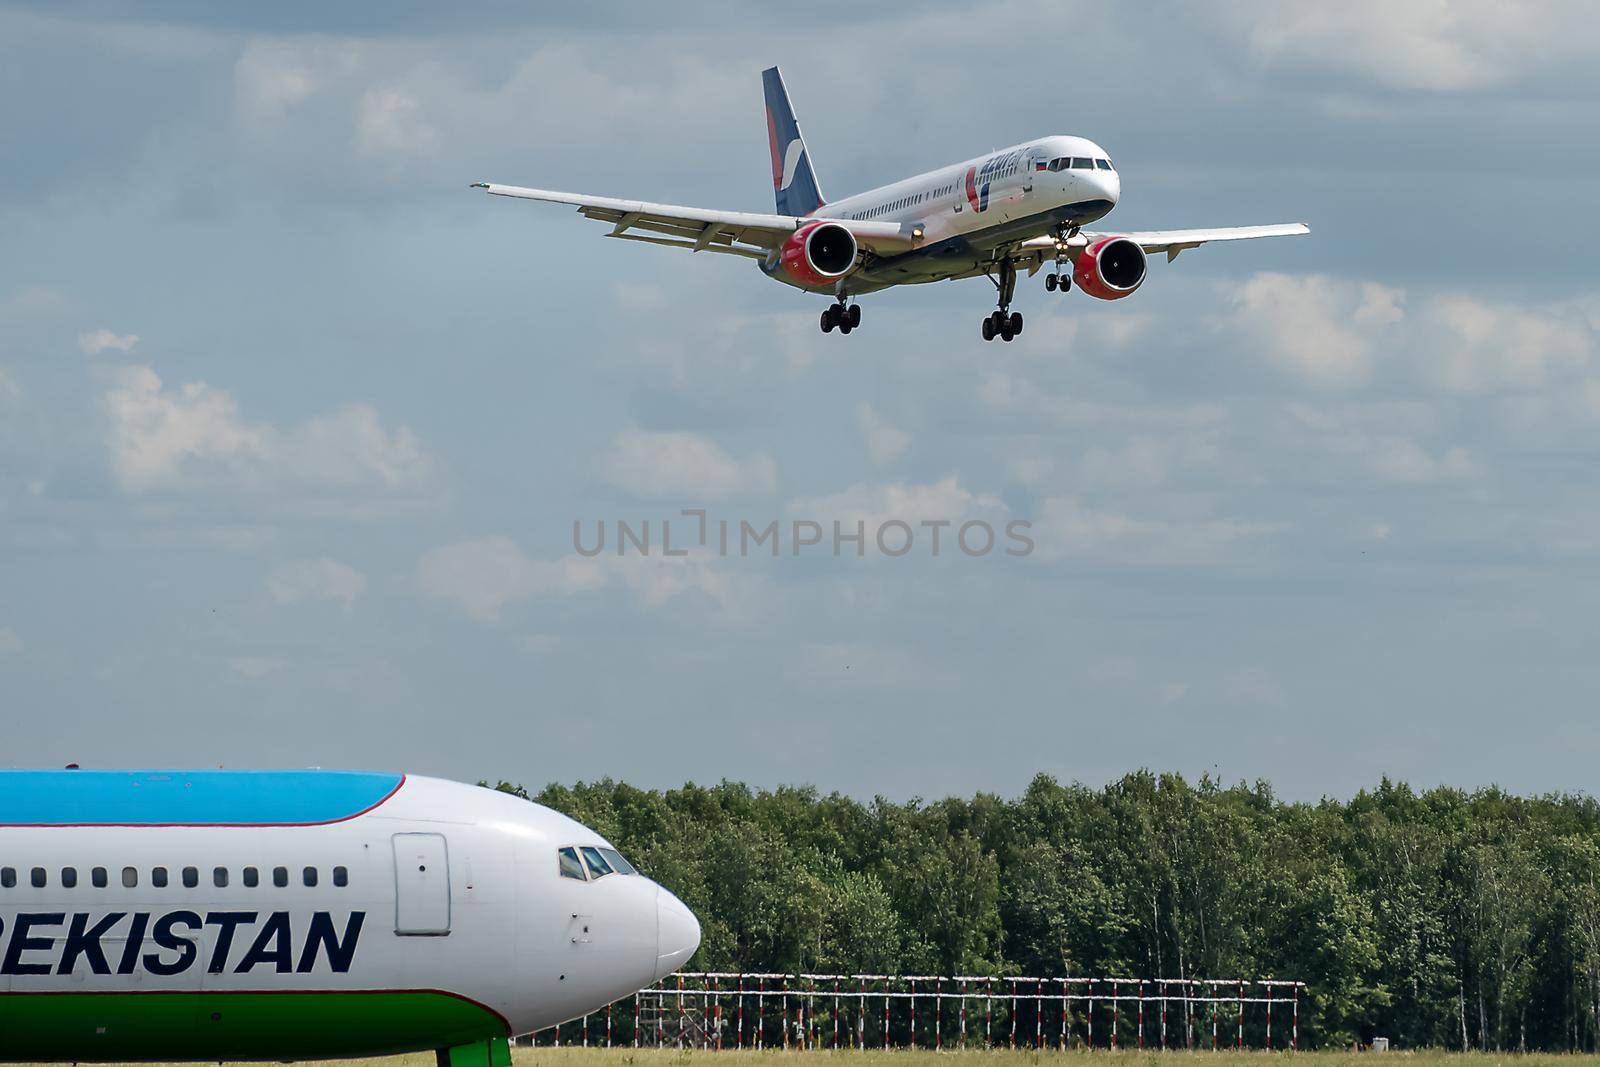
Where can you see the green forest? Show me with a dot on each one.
(1440, 918)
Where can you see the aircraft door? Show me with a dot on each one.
(421, 885)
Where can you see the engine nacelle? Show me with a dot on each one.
(819, 254)
(1110, 269)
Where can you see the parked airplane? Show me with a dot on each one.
(277, 915)
(1020, 207)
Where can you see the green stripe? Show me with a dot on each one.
(92, 1027)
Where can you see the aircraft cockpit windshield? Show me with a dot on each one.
(1080, 163)
(594, 862)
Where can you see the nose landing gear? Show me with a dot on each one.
(1066, 238)
(845, 317)
(1003, 322)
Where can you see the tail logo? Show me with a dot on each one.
(791, 160)
(977, 195)
(785, 162)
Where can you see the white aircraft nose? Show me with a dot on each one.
(1110, 184)
(677, 933)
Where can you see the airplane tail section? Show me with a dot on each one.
(794, 183)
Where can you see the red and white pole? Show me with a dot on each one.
(1013, 1013)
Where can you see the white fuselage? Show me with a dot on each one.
(457, 887)
(968, 209)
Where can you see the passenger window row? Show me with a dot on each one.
(1080, 163)
(99, 877)
(596, 862)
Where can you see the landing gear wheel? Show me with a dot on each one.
(827, 321)
(988, 329)
(1016, 323)
(1066, 282)
(1006, 332)
(845, 327)
(1050, 283)
(855, 315)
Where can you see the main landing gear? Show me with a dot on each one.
(1003, 322)
(845, 317)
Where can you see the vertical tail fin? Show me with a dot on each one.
(794, 183)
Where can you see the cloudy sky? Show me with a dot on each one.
(294, 428)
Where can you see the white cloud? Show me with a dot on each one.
(1144, 461)
(193, 437)
(1401, 461)
(482, 576)
(95, 342)
(315, 579)
(1480, 347)
(10, 643)
(885, 443)
(686, 466)
(1332, 333)
(874, 505)
(1031, 470)
(1321, 330)
(1428, 45)
(1388, 442)
(271, 78)
(390, 123)
(1017, 397)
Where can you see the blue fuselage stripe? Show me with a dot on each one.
(188, 798)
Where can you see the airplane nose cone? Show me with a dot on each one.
(1110, 184)
(677, 933)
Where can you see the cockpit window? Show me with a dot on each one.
(618, 864)
(598, 867)
(1103, 164)
(1082, 163)
(1058, 164)
(571, 866)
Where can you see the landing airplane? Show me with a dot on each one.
(286, 915)
(1018, 208)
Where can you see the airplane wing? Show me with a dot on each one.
(1174, 241)
(1038, 251)
(738, 233)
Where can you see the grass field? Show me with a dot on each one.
(580, 1057)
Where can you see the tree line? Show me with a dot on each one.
(1441, 918)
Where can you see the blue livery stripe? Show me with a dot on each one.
(189, 798)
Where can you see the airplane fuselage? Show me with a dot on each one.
(302, 915)
(970, 209)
